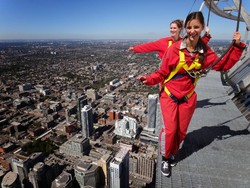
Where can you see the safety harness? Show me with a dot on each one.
(173, 75)
(170, 42)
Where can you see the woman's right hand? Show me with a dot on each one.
(131, 49)
(142, 78)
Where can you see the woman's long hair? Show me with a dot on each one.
(199, 16)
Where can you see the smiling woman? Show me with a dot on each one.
(177, 95)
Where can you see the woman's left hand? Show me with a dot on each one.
(237, 37)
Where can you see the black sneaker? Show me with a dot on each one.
(172, 161)
(165, 168)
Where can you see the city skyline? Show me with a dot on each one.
(21, 20)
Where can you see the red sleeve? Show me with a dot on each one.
(169, 62)
(228, 61)
(206, 38)
(159, 46)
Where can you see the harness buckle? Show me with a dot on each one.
(195, 74)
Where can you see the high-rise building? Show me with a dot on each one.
(152, 110)
(65, 179)
(159, 120)
(67, 115)
(10, 180)
(21, 164)
(126, 127)
(103, 163)
(76, 146)
(87, 121)
(119, 170)
(112, 115)
(87, 174)
(37, 176)
(146, 167)
(81, 102)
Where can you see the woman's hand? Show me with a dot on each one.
(142, 79)
(237, 37)
(207, 30)
(131, 49)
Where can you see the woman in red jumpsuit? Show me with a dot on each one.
(162, 44)
(179, 104)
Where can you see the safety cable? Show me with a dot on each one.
(192, 7)
(238, 19)
(209, 10)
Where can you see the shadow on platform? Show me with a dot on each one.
(206, 103)
(204, 136)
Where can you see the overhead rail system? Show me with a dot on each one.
(239, 76)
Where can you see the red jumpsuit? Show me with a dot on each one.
(161, 45)
(177, 117)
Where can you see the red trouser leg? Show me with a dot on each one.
(176, 118)
(186, 111)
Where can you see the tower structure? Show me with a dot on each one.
(87, 174)
(87, 121)
(152, 109)
(81, 102)
(126, 127)
(119, 169)
(159, 119)
(37, 175)
(67, 115)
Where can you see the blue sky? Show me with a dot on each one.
(102, 19)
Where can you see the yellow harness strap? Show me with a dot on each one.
(182, 64)
(170, 42)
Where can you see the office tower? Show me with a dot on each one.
(10, 180)
(119, 170)
(142, 165)
(87, 121)
(159, 120)
(21, 164)
(146, 167)
(112, 115)
(103, 163)
(37, 176)
(152, 109)
(81, 102)
(126, 127)
(76, 146)
(65, 179)
(87, 174)
(133, 164)
(67, 116)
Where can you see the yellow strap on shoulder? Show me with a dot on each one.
(177, 68)
(195, 65)
(170, 42)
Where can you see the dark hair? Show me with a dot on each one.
(199, 16)
(194, 15)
